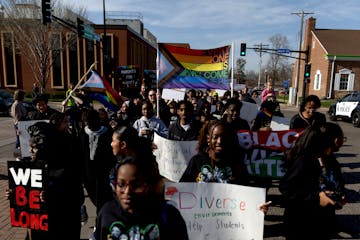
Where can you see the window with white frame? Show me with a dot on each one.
(9, 59)
(317, 80)
(344, 80)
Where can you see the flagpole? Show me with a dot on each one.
(78, 84)
(157, 79)
(232, 69)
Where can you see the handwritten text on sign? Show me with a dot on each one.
(173, 156)
(26, 183)
(217, 210)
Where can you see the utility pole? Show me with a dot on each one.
(301, 14)
(259, 48)
(104, 46)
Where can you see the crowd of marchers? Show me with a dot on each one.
(110, 155)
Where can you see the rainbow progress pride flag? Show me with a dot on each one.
(100, 90)
(181, 67)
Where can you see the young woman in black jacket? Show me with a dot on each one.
(313, 186)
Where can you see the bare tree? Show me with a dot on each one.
(38, 44)
(239, 73)
(278, 66)
(251, 78)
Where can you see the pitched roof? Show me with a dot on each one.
(339, 42)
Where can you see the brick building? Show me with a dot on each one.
(126, 44)
(334, 55)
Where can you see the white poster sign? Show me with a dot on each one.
(176, 94)
(173, 156)
(25, 137)
(249, 111)
(279, 123)
(218, 210)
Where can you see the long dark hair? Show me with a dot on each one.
(314, 141)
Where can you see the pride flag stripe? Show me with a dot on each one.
(203, 67)
(194, 52)
(193, 59)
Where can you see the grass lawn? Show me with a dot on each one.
(324, 103)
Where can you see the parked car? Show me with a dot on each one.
(347, 108)
(7, 99)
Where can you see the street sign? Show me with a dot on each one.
(283, 50)
(97, 37)
(86, 31)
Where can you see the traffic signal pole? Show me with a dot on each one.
(305, 77)
(302, 15)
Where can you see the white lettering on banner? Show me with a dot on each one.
(217, 210)
(22, 177)
(274, 139)
(265, 151)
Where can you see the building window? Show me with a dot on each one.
(344, 80)
(317, 81)
(72, 59)
(90, 53)
(56, 55)
(107, 67)
(9, 60)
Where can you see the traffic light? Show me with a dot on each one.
(307, 71)
(243, 49)
(46, 11)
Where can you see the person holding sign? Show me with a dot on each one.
(221, 161)
(313, 186)
(60, 202)
(139, 210)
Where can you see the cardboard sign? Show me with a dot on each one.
(176, 94)
(173, 156)
(218, 210)
(26, 181)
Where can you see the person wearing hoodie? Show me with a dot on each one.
(97, 158)
(149, 123)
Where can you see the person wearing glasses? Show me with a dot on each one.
(139, 210)
(308, 115)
